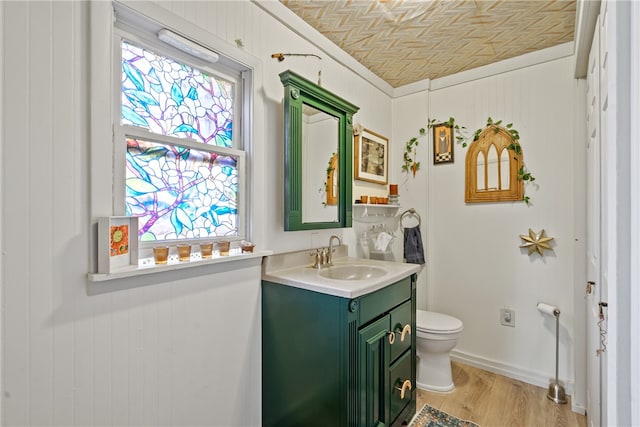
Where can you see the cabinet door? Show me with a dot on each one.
(401, 385)
(374, 373)
(401, 326)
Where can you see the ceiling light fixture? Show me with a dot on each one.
(187, 46)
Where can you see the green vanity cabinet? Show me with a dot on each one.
(335, 361)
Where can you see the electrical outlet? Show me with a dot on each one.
(507, 317)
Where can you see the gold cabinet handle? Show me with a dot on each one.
(392, 337)
(405, 385)
(406, 330)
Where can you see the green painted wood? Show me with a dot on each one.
(322, 365)
(401, 316)
(305, 363)
(304, 357)
(398, 373)
(354, 363)
(374, 373)
(299, 91)
(372, 305)
(410, 410)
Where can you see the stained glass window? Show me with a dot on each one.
(179, 192)
(170, 98)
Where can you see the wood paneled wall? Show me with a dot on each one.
(185, 351)
(477, 266)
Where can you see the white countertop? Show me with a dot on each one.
(295, 270)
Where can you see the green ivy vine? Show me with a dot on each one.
(409, 163)
(323, 191)
(459, 131)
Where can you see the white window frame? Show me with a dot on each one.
(152, 17)
(142, 32)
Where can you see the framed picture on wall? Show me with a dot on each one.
(118, 243)
(442, 144)
(371, 157)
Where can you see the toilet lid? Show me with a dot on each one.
(429, 321)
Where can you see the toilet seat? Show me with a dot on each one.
(437, 323)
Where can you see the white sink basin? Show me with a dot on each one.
(349, 277)
(352, 272)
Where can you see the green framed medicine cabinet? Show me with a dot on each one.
(318, 125)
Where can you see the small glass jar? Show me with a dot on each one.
(161, 254)
(184, 253)
(206, 250)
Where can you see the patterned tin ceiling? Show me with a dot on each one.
(404, 41)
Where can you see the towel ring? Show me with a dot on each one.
(408, 212)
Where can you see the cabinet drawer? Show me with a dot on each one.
(372, 305)
(400, 319)
(399, 372)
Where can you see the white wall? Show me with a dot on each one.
(1, 198)
(186, 350)
(474, 263)
(410, 113)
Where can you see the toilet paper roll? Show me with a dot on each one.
(547, 309)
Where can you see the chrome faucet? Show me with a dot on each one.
(330, 253)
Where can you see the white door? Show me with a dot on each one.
(606, 200)
(594, 190)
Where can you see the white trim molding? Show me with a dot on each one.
(510, 371)
(585, 25)
(296, 24)
(304, 30)
(2, 218)
(516, 63)
(634, 332)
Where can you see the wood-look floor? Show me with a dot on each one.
(492, 400)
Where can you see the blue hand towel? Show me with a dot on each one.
(413, 251)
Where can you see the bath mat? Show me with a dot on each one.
(432, 417)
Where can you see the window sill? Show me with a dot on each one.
(148, 267)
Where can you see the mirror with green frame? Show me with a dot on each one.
(318, 155)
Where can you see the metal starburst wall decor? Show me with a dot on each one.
(536, 242)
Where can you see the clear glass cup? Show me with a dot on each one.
(184, 253)
(223, 247)
(206, 250)
(161, 254)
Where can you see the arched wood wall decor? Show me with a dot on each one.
(479, 171)
(331, 185)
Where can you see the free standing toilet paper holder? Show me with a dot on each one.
(556, 390)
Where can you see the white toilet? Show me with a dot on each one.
(437, 335)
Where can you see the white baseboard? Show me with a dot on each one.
(510, 371)
(579, 409)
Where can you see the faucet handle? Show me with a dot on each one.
(329, 258)
(317, 259)
(325, 258)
